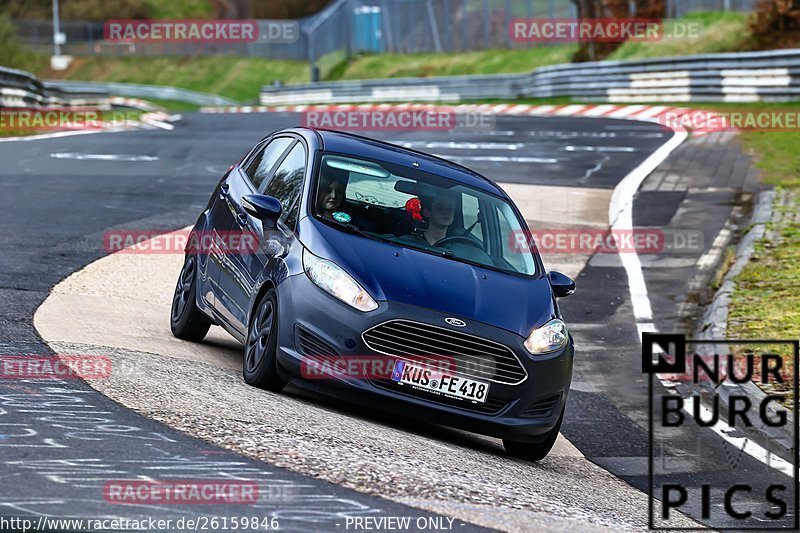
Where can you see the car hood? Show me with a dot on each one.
(404, 275)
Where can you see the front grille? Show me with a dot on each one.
(542, 408)
(489, 407)
(474, 357)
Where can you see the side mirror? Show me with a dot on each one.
(265, 208)
(562, 284)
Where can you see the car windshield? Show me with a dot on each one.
(417, 209)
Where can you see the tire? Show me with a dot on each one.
(187, 322)
(534, 451)
(260, 365)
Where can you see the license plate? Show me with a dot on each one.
(437, 382)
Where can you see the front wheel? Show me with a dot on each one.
(534, 451)
(187, 322)
(260, 367)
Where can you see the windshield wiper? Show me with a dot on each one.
(354, 229)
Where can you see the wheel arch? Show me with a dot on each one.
(265, 287)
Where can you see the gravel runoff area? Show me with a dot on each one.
(119, 307)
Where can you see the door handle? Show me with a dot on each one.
(223, 190)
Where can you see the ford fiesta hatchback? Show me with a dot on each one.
(383, 276)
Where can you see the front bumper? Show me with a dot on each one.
(522, 412)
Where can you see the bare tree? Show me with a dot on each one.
(776, 24)
(232, 9)
(591, 9)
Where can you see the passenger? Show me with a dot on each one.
(330, 194)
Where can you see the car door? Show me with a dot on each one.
(251, 174)
(285, 184)
(205, 245)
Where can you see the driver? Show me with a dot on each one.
(439, 211)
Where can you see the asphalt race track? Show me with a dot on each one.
(64, 440)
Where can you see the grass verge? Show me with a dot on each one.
(238, 78)
(766, 301)
(241, 78)
(174, 106)
(369, 66)
(721, 32)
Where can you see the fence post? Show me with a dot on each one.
(464, 23)
(347, 12)
(437, 42)
(388, 31)
(507, 29)
(311, 59)
(448, 28)
(486, 23)
(412, 41)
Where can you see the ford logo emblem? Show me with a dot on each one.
(455, 322)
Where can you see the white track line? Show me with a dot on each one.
(103, 157)
(620, 216)
(713, 254)
(502, 159)
(465, 145)
(51, 135)
(134, 125)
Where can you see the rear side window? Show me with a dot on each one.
(261, 165)
(287, 183)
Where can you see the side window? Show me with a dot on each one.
(287, 183)
(261, 165)
(521, 260)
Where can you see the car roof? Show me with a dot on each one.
(356, 145)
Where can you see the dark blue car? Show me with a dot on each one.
(385, 276)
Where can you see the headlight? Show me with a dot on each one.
(547, 338)
(332, 279)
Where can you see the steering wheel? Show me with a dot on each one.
(460, 238)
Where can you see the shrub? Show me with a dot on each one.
(776, 24)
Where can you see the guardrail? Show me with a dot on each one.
(730, 77)
(22, 89)
(157, 92)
